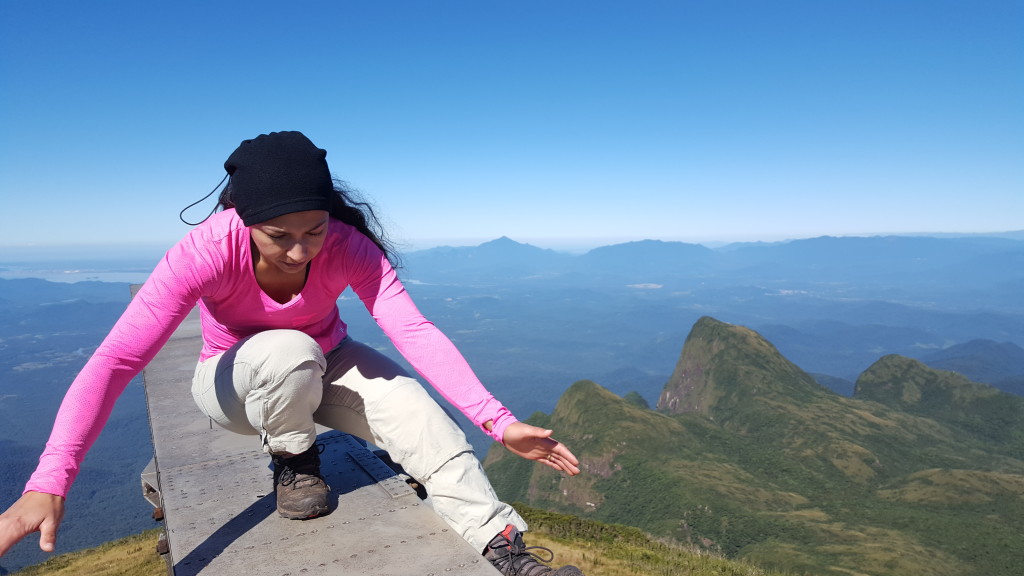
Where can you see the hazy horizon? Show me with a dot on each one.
(27, 253)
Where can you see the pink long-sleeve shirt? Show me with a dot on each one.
(212, 265)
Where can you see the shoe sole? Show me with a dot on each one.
(303, 515)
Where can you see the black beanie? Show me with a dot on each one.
(278, 173)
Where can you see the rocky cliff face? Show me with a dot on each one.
(722, 367)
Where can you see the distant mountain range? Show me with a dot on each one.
(921, 472)
(1000, 364)
(913, 266)
(832, 305)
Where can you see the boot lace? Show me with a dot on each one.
(517, 559)
(301, 467)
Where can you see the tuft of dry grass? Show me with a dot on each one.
(132, 556)
(597, 560)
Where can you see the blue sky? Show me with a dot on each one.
(555, 123)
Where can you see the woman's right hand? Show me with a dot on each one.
(34, 511)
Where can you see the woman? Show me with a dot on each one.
(266, 272)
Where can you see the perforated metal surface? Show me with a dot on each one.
(215, 490)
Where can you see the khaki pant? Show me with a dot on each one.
(279, 385)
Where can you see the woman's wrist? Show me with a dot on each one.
(495, 427)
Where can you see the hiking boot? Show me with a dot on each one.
(511, 557)
(301, 490)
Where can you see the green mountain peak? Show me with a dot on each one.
(724, 368)
(905, 383)
(948, 397)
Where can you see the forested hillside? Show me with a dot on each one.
(922, 472)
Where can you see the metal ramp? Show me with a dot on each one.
(214, 489)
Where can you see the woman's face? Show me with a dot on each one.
(290, 241)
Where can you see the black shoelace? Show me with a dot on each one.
(518, 557)
(307, 463)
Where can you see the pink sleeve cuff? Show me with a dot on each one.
(499, 423)
(54, 475)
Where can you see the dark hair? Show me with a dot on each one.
(348, 206)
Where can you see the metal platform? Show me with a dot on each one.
(214, 489)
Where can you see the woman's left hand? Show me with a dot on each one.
(535, 443)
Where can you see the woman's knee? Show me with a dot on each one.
(283, 349)
(273, 364)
